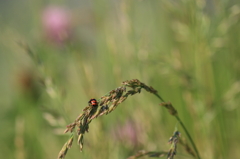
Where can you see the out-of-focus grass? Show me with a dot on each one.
(188, 50)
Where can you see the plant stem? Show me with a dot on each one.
(184, 128)
(188, 135)
(159, 97)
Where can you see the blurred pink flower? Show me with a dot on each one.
(57, 24)
(128, 133)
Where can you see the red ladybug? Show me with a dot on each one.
(93, 102)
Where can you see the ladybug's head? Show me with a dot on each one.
(93, 102)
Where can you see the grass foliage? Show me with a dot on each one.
(186, 50)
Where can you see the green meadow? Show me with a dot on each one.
(57, 55)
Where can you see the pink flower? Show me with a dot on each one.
(57, 24)
(129, 133)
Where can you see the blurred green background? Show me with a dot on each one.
(56, 55)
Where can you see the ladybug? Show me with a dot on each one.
(93, 102)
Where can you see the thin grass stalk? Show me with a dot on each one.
(183, 126)
(189, 136)
(143, 153)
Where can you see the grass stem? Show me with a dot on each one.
(184, 128)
